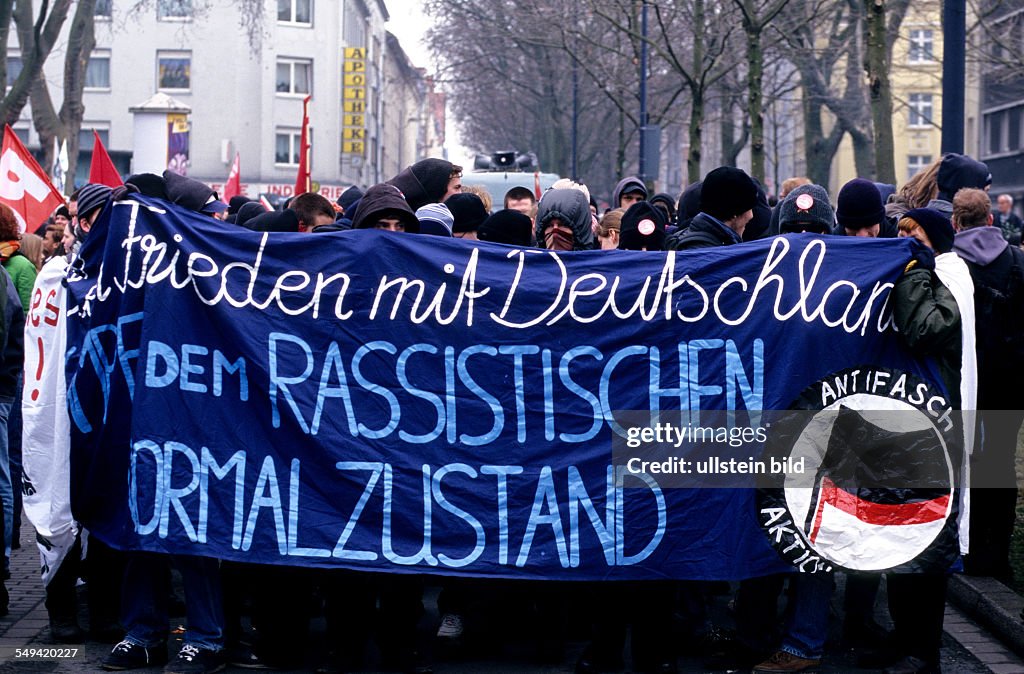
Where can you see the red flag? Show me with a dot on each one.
(102, 170)
(303, 182)
(233, 187)
(24, 185)
(536, 184)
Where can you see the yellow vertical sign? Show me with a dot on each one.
(353, 79)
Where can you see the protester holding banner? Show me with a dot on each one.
(399, 406)
(805, 209)
(563, 220)
(727, 199)
(997, 269)
(933, 307)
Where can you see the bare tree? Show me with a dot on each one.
(755, 19)
(65, 124)
(883, 26)
(37, 33)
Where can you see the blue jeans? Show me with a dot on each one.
(6, 488)
(146, 590)
(807, 619)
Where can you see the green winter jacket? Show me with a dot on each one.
(23, 273)
(928, 318)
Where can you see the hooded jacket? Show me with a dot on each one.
(248, 212)
(572, 207)
(274, 221)
(425, 182)
(928, 318)
(958, 171)
(626, 185)
(381, 198)
(703, 232)
(651, 236)
(997, 270)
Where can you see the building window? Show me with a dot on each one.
(917, 162)
(104, 9)
(354, 26)
(174, 71)
(22, 133)
(13, 69)
(97, 72)
(294, 76)
(174, 9)
(1003, 131)
(994, 132)
(295, 11)
(286, 146)
(1013, 119)
(85, 138)
(921, 46)
(920, 110)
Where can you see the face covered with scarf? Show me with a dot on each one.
(558, 235)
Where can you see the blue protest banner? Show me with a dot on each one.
(409, 403)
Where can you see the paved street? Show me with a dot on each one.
(967, 648)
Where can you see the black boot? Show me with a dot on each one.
(65, 630)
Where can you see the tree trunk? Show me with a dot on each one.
(820, 148)
(727, 130)
(755, 106)
(696, 129)
(863, 154)
(880, 91)
(620, 154)
(36, 37)
(696, 136)
(731, 144)
(81, 42)
(65, 125)
(6, 17)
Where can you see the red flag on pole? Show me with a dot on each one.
(102, 170)
(24, 185)
(536, 184)
(303, 182)
(233, 187)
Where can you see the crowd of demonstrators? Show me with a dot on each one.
(970, 265)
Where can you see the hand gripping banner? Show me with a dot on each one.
(408, 403)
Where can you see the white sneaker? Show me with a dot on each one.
(451, 626)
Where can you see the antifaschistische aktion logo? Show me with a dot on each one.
(882, 454)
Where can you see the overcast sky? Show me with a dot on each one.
(408, 24)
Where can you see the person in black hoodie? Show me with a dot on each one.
(956, 172)
(667, 204)
(628, 191)
(727, 199)
(997, 270)
(689, 205)
(428, 181)
(385, 207)
(507, 226)
(642, 228)
(563, 220)
(348, 198)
